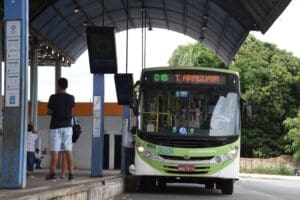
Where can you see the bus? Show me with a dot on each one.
(188, 128)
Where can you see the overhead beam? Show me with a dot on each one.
(165, 14)
(84, 13)
(148, 19)
(37, 7)
(107, 14)
(185, 12)
(67, 21)
(221, 36)
(128, 13)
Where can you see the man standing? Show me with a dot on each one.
(129, 148)
(60, 107)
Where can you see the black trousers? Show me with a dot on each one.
(30, 161)
(129, 159)
(37, 162)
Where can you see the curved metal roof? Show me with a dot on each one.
(222, 25)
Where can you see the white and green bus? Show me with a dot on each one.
(188, 127)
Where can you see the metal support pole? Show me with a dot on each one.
(1, 113)
(125, 127)
(15, 111)
(1, 53)
(98, 125)
(57, 72)
(57, 76)
(111, 163)
(34, 87)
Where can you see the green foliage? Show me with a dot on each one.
(293, 124)
(270, 82)
(267, 76)
(194, 55)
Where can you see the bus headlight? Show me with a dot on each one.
(155, 158)
(218, 159)
(227, 156)
(147, 154)
(233, 152)
(140, 149)
(151, 156)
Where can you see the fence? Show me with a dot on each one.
(278, 165)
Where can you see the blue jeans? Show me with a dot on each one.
(30, 161)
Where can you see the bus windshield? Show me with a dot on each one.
(190, 112)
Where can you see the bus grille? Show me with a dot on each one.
(170, 157)
(187, 143)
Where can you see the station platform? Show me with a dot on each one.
(84, 187)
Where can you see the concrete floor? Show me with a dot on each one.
(38, 184)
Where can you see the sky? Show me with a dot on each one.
(161, 43)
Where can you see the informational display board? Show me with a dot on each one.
(189, 78)
(13, 60)
(102, 49)
(124, 88)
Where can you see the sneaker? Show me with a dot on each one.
(29, 175)
(71, 178)
(50, 177)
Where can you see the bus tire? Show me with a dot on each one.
(161, 185)
(209, 185)
(146, 184)
(227, 186)
(142, 184)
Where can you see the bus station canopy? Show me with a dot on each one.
(57, 27)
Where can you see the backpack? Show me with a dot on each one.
(76, 130)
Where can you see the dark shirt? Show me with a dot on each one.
(61, 105)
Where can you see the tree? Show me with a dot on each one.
(269, 81)
(194, 55)
(267, 77)
(293, 124)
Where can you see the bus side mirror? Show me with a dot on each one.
(135, 107)
(136, 98)
(249, 114)
(246, 109)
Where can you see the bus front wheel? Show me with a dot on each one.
(147, 184)
(227, 186)
(209, 185)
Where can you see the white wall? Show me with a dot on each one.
(81, 149)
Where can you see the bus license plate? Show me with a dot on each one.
(186, 168)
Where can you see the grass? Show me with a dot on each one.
(278, 170)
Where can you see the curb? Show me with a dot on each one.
(272, 177)
(93, 189)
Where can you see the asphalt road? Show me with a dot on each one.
(245, 189)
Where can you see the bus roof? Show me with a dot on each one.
(190, 68)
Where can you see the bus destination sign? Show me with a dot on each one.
(193, 79)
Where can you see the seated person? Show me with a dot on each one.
(31, 137)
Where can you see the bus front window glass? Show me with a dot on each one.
(224, 116)
(190, 113)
